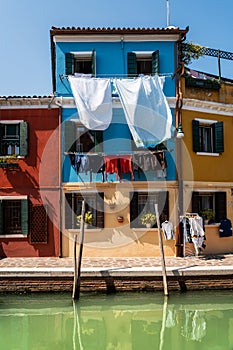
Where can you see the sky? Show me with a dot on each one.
(25, 57)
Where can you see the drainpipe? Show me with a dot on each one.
(179, 160)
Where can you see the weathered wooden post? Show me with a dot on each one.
(77, 269)
(161, 251)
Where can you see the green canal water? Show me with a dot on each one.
(137, 321)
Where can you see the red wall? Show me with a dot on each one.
(37, 177)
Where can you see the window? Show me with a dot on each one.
(80, 62)
(13, 216)
(80, 139)
(210, 200)
(143, 63)
(207, 136)
(13, 138)
(143, 202)
(94, 202)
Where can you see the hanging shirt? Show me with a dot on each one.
(111, 165)
(168, 229)
(126, 165)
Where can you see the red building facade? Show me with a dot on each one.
(29, 177)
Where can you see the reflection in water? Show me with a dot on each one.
(202, 320)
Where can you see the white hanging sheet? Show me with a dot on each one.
(146, 109)
(93, 99)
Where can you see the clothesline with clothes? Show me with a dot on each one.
(119, 165)
(192, 229)
(142, 96)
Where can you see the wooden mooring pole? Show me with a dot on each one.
(161, 252)
(77, 269)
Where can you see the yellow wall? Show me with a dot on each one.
(205, 167)
(118, 239)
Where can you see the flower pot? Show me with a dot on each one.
(148, 225)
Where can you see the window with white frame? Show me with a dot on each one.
(208, 136)
(13, 215)
(13, 138)
(80, 62)
(146, 63)
(209, 202)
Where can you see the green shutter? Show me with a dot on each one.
(69, 136)
(195, 202)
(69, 62)
(100, 210)
(155, 62)
(132, 64)
(24, 216)
(196, 139)
(98, 141)
(23, 138)
(220, 206)
(219, 138)
(93, 63)
(134, 209)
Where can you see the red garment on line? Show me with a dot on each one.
(126, 165)
(111, 165)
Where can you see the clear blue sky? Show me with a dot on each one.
(25, 61)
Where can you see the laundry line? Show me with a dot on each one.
(112, 77)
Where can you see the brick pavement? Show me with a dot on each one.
(51, 262)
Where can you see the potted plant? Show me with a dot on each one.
(208, 215)
(148, 219)
(10, 161)
(88, 219)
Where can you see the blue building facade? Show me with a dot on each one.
(149, 172)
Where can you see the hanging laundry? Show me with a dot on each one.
(93, 98)
(197, 234)
(81, 163)
(146, 109)
(225, 228)
(111, 165)
(126, 165)
(168, 230)
(96, 164)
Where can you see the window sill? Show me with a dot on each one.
(14, 236)
(142, 229)
(85, 230)
(207, 154)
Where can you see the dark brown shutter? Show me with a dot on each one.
(196, 139)
(163, 205)
(220, 206)
(38, 225)
(195, 202)
(68, 211)
(100, 210)
(134, 209)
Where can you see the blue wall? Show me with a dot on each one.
(111, 60)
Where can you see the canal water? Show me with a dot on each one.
(132, 321)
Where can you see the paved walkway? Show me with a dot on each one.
(110, 263)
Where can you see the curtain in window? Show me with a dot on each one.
(146, 109)
(93, 98)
